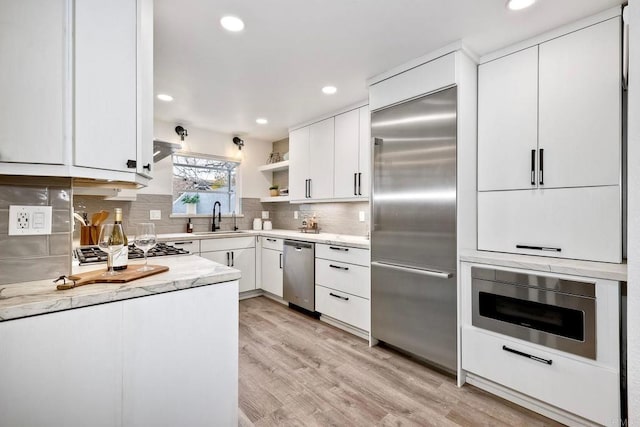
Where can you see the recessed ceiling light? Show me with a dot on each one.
(232, 23)
(329, 90)
(164, 97)
(262, 121)
(519, 4)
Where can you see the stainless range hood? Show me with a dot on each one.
(162, 149)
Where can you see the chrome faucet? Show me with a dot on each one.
(215, 227)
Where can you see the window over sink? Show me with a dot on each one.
(199, 181)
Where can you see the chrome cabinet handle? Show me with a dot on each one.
(182, 243)
(339, 296)
(527, 355)
(339, 249)
(281, 261)
(271, 240)
(355, 184)
(233, 262)
(339, 267)
(359, 183)
(228, 260)
(539, 248)
(431, 273)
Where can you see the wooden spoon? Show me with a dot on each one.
(102, 218)
(95, 217)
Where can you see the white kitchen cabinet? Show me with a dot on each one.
(364, 152)
(198, 341)
(351, 157)
(62, 369)
(580, 106)
(347, 308)
(272, 271)
(551, 115)
(298, 163)
(236, 252)
(311, 161)
(85, 77)
(321, 148)
(32, 41)
(579, 223)
(508, 121)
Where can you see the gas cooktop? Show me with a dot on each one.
(91, 254)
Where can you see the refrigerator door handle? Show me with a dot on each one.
(431, 273)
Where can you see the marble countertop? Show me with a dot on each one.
(39, 297)
(328, 238)
(597, 270)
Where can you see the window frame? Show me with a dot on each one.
(237, 205)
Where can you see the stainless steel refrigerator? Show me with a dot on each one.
(413, 230)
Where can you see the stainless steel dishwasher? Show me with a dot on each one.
(299, 274)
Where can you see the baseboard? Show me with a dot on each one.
(528, 402)
(345, 327)
(275, 298)
(250, 294)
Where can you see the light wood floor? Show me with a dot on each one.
(297, 371)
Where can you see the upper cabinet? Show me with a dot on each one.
(32, 41)
(81, 87)
(352, 154)
(329, 159)
(554, 111)
(311, 161)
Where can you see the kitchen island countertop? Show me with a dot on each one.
(19, 300)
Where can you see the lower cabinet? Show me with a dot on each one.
(272, 271)
(162, 360)
(236, 252)
(343, 284)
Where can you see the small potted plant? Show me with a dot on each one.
(274, 190)
(191, 200)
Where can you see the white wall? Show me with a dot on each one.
(253, 183)
(633, 231)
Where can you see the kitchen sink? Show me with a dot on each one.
(218, 233)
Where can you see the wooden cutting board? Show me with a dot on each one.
(96, 276)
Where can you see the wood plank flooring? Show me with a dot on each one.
(297, 371)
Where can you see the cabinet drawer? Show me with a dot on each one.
(581, 388)
(584, 223)
(274, 243)
(193, 246)
(344, 307)
(208, 245)
(350, 278)
(343, 254)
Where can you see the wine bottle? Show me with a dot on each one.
(121, 258)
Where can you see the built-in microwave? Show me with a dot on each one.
(549, 311)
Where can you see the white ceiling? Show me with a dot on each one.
(290, 49)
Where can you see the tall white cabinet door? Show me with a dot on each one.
(144, 135)
(364, 152)
(272, 271)
(33, 48)
(245, 261)
(346, 155)
(68, 372)
(508, 121)
(298, 163)
(321, 148)
(580, 107)
(194, 335)
(105, 84)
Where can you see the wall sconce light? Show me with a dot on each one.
(238, 142)
(182, 132)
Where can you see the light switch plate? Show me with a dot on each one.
(155, 215)
(361, 216)
(29, 220)
(295, 214)
(265, 214)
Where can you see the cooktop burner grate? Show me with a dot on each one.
(91, 254)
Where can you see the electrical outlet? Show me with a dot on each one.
(155, 215)
(29, 220)
(295, 214)
(361, 216)
(265, 214)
